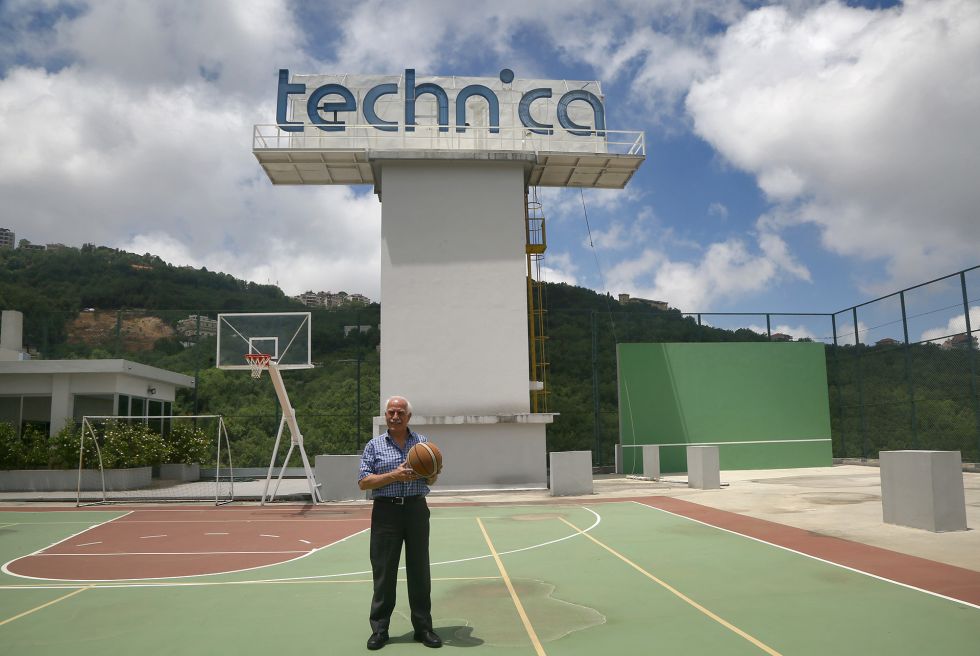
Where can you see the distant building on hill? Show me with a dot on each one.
(195, 325)
(26, 245)
(887, 341)
(7, 238)
(780, 337)
(960, 341)
(657, 305)
(329, 299)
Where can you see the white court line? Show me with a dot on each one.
(811, 556)
(306, 542)
(110, 583)
(216, 534)
(171, 553)
(263, 535)
(89, 544)
(144, 537)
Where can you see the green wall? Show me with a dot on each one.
(764, 404)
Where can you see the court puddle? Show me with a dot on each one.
(487, 613)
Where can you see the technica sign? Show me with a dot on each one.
(337, 100)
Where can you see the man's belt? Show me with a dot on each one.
(400, 501)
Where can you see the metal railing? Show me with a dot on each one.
(271, 137)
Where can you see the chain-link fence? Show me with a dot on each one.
(903, 370)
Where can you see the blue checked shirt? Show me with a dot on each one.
(381, 455)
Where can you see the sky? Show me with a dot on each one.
(801, 156)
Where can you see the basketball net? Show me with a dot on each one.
(257, 362)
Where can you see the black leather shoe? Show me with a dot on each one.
(377, 640)
(428, 638)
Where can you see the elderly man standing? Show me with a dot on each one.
(400, 515)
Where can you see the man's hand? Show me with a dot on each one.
(403, 473)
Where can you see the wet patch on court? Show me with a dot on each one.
(488, 614)
(537, 517)
(840, 498)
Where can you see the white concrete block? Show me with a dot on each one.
(571, 473)
(923, 489)
(702, 467)
(651, 461)
(337, 476)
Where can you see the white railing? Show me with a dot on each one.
(428, 137)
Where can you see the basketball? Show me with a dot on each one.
(425, 459)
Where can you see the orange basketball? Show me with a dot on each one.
(425, 459)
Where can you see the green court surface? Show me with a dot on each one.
(617, 577)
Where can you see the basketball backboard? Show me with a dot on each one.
(283, 335)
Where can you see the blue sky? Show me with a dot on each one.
(801, 156)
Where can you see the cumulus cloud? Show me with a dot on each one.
(143, 143)
(727, 269)
(955, 326)
(860, 122)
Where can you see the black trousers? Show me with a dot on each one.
(391, 526)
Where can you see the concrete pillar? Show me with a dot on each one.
(702, 467)
(620, 468)
(571, 473)
(923, 489)
(62, 410)
(12, 330)
(337, 476)
(651, 461)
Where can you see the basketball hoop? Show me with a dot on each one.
(257, 362)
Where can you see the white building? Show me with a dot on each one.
(7, 238)
(48, 394)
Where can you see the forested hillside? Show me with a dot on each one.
(90, 303)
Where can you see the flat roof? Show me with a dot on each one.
(96, 367)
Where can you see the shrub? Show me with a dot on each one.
(11, 448)
(188, 444)
(130, 445)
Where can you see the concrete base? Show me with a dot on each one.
(620, 468)
(923, 489)
(41, 480)
(185, 473)
(571, 473)
(337, 476)
(651, 461)
(483, 452)
(703, 470)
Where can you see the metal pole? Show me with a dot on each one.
(768, 327)
(840, 395)
(908, 373)
(357, 429)
(972, 355)
(857, 354)
(595, 389)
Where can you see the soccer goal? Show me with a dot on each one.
(116, 455)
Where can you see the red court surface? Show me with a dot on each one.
(164, 543)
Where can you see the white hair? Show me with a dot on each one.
(408, 405)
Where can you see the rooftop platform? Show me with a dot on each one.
(605, 160)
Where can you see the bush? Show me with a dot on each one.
(130, 445)
(11, 448)
(188, 444)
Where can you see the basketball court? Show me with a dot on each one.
(653, 573)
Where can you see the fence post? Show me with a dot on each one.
(840, 394)
(857, 354)
(908, 373)
(768, 327)
(595, 389)
(972, 355)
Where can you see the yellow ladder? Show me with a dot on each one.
(535, 247)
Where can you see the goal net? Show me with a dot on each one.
(158, 458)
